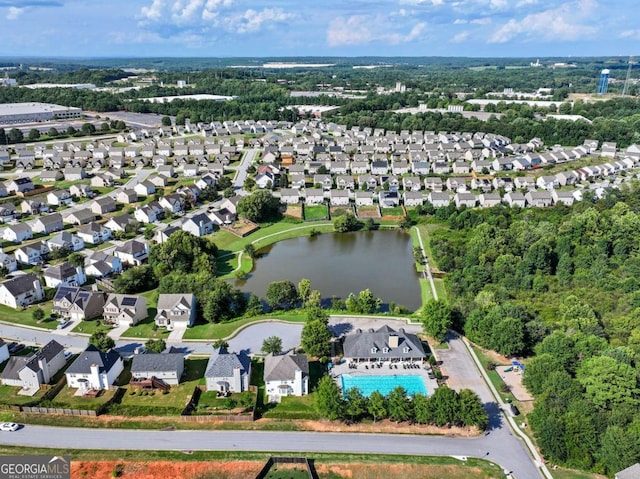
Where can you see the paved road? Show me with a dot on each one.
(112, 439)
(241, 174)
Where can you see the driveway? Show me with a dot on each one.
(250, 339)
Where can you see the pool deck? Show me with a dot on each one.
(420, 369)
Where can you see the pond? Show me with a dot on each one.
(337, 264)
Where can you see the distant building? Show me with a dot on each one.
(34, 112)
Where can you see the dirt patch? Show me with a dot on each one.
(368, 212)
(242, 227)
(513, 379)
(164, 470)
(387, 426)
(336, 211)
(293, 211)
(406, 471)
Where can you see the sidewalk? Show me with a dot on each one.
(118, 331)
(176, 335)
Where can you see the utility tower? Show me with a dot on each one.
(627, 81)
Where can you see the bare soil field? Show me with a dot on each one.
(368, 212)
(293, 211)
(336, 211)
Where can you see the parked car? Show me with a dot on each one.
(67, 355)
(17, 348)
(9, 426)
(63, 324)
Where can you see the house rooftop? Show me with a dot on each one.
(222, 363)
(158, 362)
(92, 356)
(282, 367)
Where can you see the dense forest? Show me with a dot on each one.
(560, 283)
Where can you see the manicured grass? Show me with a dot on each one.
(440, 288)
(9, 395)
(426, 229)
(90, 327)
(145, 329)
(425, 290)
(224, 330)
(394, 211)
(317, 212)
(293, 407)
(24, 316)
(66, 399)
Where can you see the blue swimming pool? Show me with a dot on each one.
(383, 384)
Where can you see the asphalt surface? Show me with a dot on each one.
(113, 439)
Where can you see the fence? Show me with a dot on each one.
(311, 470)
(187, 415)
(63, 411)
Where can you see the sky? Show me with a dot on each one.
(285, 28)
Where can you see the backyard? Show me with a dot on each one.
(316, 213)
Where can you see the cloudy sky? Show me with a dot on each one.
(213, 28)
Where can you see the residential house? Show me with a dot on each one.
(63, 274)
(166, 367)
(103, 205)
(4, 351)
(48, 224)
(420, 167)
(51, 176)
(101, 181)
(59, 198)
(364, 198)
(515, 198)
(198, 225)
(73, 173)
(412, 198)
(126, 196)
(176, 311)
(290, 196)
(33, 253)
(383, 344)
(411, 183)
(17, 233)
(21, 291)
(286, 375)
(339, 198)
(314, 196)
(488, 200)
(8, 262)
(434, 184)
(82, 191)
(66, 240)
(228, 372)
(345, 182)
(547, 182)
(29, 372)
(524, 182)
(80, 217)
(100, 264)
(94, 233)
(388, 199)
(323, 181)
(120, 223)
(147, 214)
(465, 199)
(19, 185)
(94, 370)
(77, 304)
(174, 203)
(7, 212)
(34, 207)
(132, 253)
(124, 309)
(564, 197)
(144, 188)
(539, 199)
(439, 199)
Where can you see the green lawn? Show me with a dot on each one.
(440, 288)
(175, 400)
(315, 213)
(394, 211)
(225, 330)
(292, 407)
(425, 290)
(9, 395)
(210, 403)
(66, 399)
(24, 316)
(90, 327)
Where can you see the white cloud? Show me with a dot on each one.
(481, 21)
(556, 24)
(363, 29)
(632, 34)
(14, 12)
(460, 21)
(252, 20)
(460, 37)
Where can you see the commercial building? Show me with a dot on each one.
(11, 113)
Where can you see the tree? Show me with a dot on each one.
(316, 338)
(38, 314)
(471, 410)
(272, 345)
(34, 134)
(165, 121)
(422, 409)
(405, 223)
(259, 206)
(608, 383)
(71, 130)
(345, 223)
(365, 303)
(398, 405)
(304, 289)
(254, 306)
(101, 341)
(15, 136)
(329, 402)
(281, 295)
(53, 132)
(377, 406)
(444, 402)
(183, 252)
(507, 337)
(249, 184)
(355, 404)
(88, 128)
(250, 251)
(436, 319)
(220, 343)
(136, 280)
(77, 259)
(155, 345)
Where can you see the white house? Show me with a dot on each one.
(228, 372)
(176, 311)
(515, 198)
(286, 375)
(64, 274)
(166, 367)
(21, 291)
(94, 370)
(8, 262)
(126, 309)
(29, 372)
(132, 252)
(339, 197)
(17, 233)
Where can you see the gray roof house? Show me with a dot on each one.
(384, 344)
(94, 370)
(29, 372)
(286, 375)
(48, 224)
(77, 304)
(228, 372)
(21, 291)
(176, 310)
(168, 367)
(125, 309)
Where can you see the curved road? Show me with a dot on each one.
(298, 442)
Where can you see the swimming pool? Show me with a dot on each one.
(383, 384)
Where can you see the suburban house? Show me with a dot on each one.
(176, 311)
(81, 191)
(173, 202)
(66, 240)
(383, 344)
(286, 375)
(19, 185)
(80, 217)
(77, 304)
(228, 372)
(9, 262)
(126, 196)
(48, 224)
(539, 199)
(59, 198)
(413, 198)
(94, 233)
(17, 233)
(21, 291)
(100, 264)
(514, 198)
(63, 274)
(29, 372)
(133, 252)
(439, 199)
(102, 206)
(198, 225)
(166, 367)
(31, 254)
(339, 197)
(314, 196)
(127, 309)
(94, 370)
